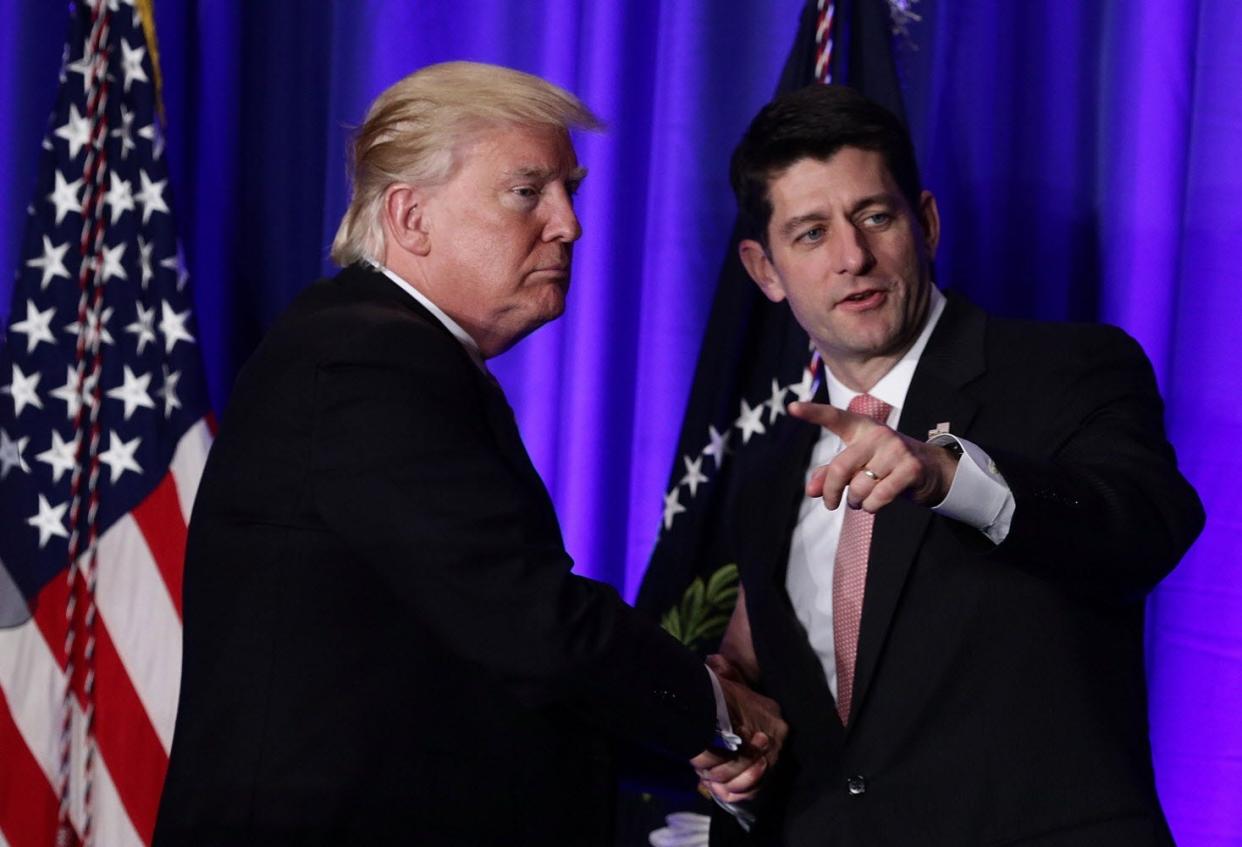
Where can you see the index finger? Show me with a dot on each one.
(842, 423)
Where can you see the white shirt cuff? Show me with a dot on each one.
(979, 495)
(724, 726)
(724, 731)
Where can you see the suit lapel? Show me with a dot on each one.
(953, 357)
(772, 494)
(771, 491)
(504, 426)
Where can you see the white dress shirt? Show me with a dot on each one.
(978, 497)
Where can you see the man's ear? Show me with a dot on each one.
(929, 219)
(403, 215)
(759, 265)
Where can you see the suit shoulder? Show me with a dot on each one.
(1060, 344)
(363, 319)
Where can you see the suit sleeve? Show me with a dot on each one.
(1106, 511)
(407, 470)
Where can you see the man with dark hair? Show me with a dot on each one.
(955, 632)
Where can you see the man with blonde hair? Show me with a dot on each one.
(384, 641)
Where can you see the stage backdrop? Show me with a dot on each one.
(1085, 156)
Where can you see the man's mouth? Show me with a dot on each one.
(859, 301)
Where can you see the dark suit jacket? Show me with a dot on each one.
(384, 643)
(1000, 695)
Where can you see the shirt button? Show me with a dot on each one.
(856, 785)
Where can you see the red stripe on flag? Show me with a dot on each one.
(27, 802)
(126, 740)
(159, 519)
(125, 737)
(49, 614)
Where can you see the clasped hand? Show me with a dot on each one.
(736, 776)
(878, 464)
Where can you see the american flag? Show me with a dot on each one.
(104, 429)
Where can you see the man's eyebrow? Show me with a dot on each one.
(792, 224)
(882, 199)
(537, 172)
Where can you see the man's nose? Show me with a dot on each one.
(851, 255)
(562, 220)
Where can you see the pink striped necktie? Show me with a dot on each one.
(849, 575)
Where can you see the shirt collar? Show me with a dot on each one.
(893, 386)
(472, 347)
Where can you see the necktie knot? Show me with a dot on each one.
(872, 407)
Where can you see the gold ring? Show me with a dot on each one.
(870, 474)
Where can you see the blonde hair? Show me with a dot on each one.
(415, 127)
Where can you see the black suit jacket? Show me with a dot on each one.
(1000, 695)
(384, 643)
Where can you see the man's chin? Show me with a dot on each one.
(553, 305)
(547, 314)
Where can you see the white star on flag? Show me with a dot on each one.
(52, 262)
(805, 389)
(119, 457)
(96, 328)
(717, 446)
(151, 196)
(125, 132)
(177, 263)
(694, 474)
(36, 327)
(151, 133)
(143, 326)
(83, 65)
(69, 392)
(172, 325)
(76, 131)
(133, 392)
(11, 453)
(145, 250)
(61, 456)
(65, 197)
(120, 197)
(168, 391)
(50, 520)
(112, 266)
(776, 403)
(750, 421)
(132, 64)
(672, 506)
(23, 390)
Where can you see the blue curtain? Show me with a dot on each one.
(1084, 155)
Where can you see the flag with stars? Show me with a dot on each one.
(103, 434)
(755, 359)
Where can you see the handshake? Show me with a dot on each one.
(735, 776)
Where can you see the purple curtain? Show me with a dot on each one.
(1084, 155)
